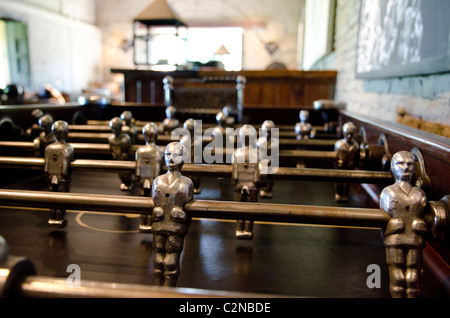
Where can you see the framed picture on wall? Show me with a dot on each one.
(403, 38)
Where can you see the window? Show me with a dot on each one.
(14, 60)
(203, 42)
(196, 44)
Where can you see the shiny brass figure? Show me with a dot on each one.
(120, 144)
(57, 169)
(46, 137)
(35, 129)
(228, 116)
(405, 231)
(189, 142)
(149, 165)
(245, 176)
(170, 222)
(265, 146)
(132, 129)
(303, 129)
(347, 150)
(170, 122)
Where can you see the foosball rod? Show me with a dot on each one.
(107, 129)
(104, 125)
(268, 212)
(103, 148)
(213, 170)
(164, 139)
(34, 286)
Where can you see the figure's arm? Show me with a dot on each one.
(158, 212)
(178, 214)
(138, 165)
(37, 146)
(419, 225)
(390, 205)
(45, 162)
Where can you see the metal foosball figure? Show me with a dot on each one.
(132, 131)
(405, 231)
(58, 157)
(228, 116)
(265, 146)
(245, 177)
(170, 222)
(46, 137)
(35, 129)
(189, 143)
(170, 123)
(149, 163)
(346, 150)
(120, 145)
(221, 124)
(303, 129)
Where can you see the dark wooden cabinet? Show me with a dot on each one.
(269, 89)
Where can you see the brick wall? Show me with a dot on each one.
(424, 97)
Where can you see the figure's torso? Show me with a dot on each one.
(169, 194)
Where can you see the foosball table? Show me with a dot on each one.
(137, 207)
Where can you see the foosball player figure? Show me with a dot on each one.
(170, 122)
(57, 170)
(132, 130)
(347, 150)
(303, 130)
(120, 146)
(265, 146)
(405, 231)
(245, 176)
(35, 129)
(189, 142)
(228, 114)
(46, 137)
(149, 164)
(170, 223)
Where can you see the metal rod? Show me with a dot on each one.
(101, 148)
(214, 170)
(141, 123)
(309, 154)
(76, 201)
(50, 287)
(164, 139)
(287, 213)
(103, 165)
(107, 129)
(333, 175)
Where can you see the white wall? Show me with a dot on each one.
(64, 45)
(281, 20)
(426, 97)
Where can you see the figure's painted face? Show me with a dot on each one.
(174, 156)
(402, 165)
